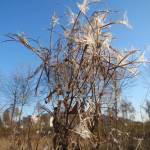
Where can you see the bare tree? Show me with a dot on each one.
(18, 90)
(147, 108)
(6, 117)
(25, 93)
(126, 109)
(13, 94)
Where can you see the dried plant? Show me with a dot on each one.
(83, 72)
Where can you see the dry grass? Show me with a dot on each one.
(4, 144)
(37, 144)
(138, 137)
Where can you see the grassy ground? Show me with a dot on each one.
(5, 144)
(138, 138)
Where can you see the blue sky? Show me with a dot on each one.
(33, 16)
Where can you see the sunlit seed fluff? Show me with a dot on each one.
(142, 58)
(84, 7)
(107, 41)
(72, 16)
(55, 20)
(125, 21)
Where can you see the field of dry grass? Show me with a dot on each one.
(133, 136)
(37, 144)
